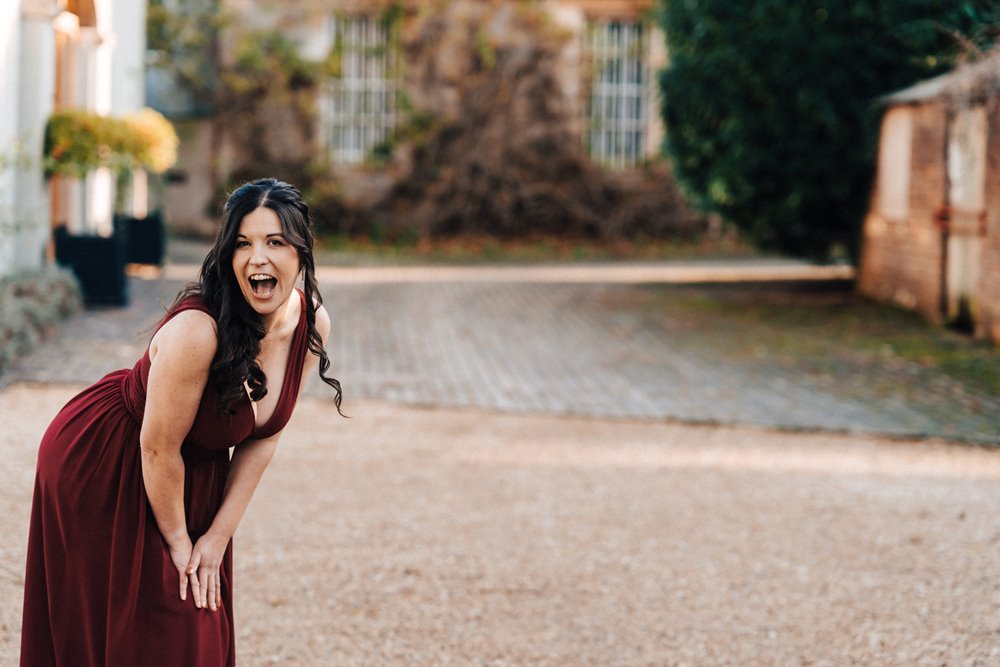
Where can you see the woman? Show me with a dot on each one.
(136, 498)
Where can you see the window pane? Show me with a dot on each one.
(619, 95)
(362, 98)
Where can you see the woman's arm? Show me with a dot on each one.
(181, 353)
(249, 461)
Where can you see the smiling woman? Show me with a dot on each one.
(265, 264)
(136, 495)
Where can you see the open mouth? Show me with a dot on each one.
(263, 285)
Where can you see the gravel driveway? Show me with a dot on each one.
(409, 536)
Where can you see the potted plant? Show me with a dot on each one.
(78, 142)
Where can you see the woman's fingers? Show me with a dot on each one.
(195, 589)
(192, 575)
(180, 556)
(213, 592)
(206, 584)
(209, 588)
(204, 575)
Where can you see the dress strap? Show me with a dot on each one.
(297, 361)
(300, 345)
(293, 377)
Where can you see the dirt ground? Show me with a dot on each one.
(408, 536)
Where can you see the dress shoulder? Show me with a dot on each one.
(191, 303)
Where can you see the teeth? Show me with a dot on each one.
(261, 276)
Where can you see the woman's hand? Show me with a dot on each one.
(180, 555)
(203, 570)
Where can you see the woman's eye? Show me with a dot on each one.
(276, 242)
(242, 244)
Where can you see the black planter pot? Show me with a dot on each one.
(145, 238)
(99, 265)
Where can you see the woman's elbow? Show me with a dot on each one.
(155, 447)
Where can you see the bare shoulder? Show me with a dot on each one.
(188, 336)
(322, 322)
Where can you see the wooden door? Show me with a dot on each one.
(966, 212)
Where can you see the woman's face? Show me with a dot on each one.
(265, 263)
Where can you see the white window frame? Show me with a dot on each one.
(360, 104)
(618, 113)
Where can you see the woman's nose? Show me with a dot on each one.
(259, 255)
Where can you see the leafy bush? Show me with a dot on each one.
(770, 106)
(152, 140)
(78, 141)
(492, 148)
(30, 304)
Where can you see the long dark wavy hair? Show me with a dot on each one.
(240, 328)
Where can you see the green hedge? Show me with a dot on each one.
(770, 106)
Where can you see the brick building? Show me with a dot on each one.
(931, 238)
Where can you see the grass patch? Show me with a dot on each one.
(470, 250)
(837, 334)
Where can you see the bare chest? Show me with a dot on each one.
(273, 360)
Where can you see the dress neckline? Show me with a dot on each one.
(289, 372)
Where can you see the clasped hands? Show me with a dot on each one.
(199, 565)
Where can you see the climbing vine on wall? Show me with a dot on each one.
(486, 139)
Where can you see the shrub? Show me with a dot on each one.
(506, 158)
(770, 106)
(30, 304)
(78, 141)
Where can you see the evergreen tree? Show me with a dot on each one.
(771, 106)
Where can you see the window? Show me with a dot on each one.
(619, 99)
(361, 102)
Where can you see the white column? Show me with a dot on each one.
(35, 103)
(100, 199)
(9, 83)
(128, 62)
(95, 73)
(68, 193)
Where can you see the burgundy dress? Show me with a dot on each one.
(100, 588)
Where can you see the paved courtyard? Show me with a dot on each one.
(588, 341)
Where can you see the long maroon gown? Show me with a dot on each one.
(100, 588)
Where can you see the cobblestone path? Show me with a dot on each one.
(562, 348)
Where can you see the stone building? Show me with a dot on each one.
(59, 54)
(607, 64)
(931, 238)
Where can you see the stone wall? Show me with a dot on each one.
(190, 200)
(290, 141)
(903, 256)
(901, 259)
